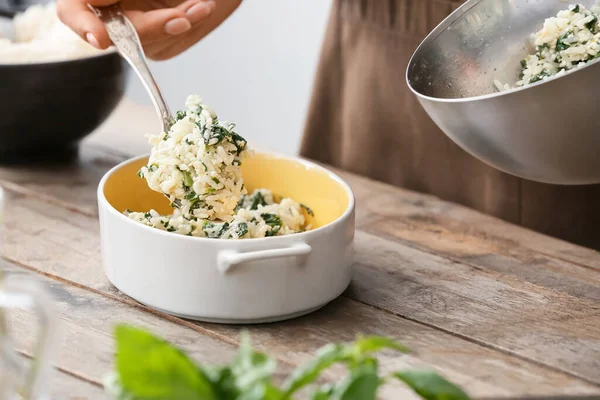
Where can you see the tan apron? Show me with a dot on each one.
(363, 118)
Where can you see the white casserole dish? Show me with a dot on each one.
(231, 281)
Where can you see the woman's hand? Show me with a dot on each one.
(166, 27)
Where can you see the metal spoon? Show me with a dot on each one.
(125, 38)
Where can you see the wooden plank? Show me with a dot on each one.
(87, 345)
(70, 186)
(464, 225)
(496, 310)
(441, 236)
(65, 246)
(87, 320)
(64, 386)
(461, 360)
(457, 228)
(481, 293)
(88, 349)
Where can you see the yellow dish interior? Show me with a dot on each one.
(312, 187)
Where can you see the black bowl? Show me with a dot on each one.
(46, 109)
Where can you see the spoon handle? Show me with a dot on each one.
(125, 38)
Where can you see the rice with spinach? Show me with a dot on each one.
(565, 42)
(258, 215)
(197, 165)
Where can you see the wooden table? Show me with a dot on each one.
(496, 308)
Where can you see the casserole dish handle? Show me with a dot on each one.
(230, 258)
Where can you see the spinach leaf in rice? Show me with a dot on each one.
(540, 76)
(308, 210)
(591, 25)
(180, 115)
(214, 230)
(562, 43)
(274, 223)
(251, 220)
(188, 181)
(242, 229)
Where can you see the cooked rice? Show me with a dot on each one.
(197, 166)
(39, 36)
(567, 41)
(257, 216)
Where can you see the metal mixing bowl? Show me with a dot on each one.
(547, 132)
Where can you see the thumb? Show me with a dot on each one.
(77, 15)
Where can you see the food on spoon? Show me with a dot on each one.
(567, 41)
(197, 165)
(39, 36)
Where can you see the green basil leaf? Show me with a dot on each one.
(362, 384)
(307, 374)
(223, 383)
(263, 391)
(250, 367)
(371, 344)
(431, 386)
(324, 392)
(149, 368)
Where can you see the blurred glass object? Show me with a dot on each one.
(18, 381)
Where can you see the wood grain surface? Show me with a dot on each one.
(498, 309)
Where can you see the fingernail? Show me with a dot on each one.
(177, 26)
(200, 10)
(91, 39)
